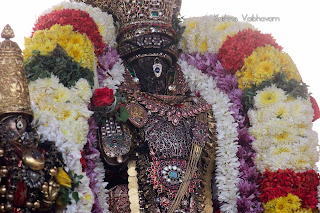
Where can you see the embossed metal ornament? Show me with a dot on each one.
(138, 115)
(14, 93)
(34, 159)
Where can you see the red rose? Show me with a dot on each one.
(103, 97)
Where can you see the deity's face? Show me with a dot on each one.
(149, 82)
(16, 125)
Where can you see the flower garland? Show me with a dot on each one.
(280, 110)
(289, 203)
(208, 34)
(282, 130)
(75, 18)
(209, 65)
(77, 45)
(263, 64)
(235, 49)
(95, 170)
(283, 182)
(227, 169)
(42, 66)
(102, 19)
(61, 116)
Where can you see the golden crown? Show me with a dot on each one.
(14, 93)
(145, 26)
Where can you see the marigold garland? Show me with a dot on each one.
(102, 19)
(263, 64)
(77, 46)
(235, 49)
(76, 18)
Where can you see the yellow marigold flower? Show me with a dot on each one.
(264, 63)
(77, 46)
(63, 178)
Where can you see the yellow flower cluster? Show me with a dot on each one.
(68, 107)
(289, 204)
(77, 45)
(263, 64)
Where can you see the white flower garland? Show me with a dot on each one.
(282, 127)
(103, 20)
(227, 171)
(49, 101)
(206, 33)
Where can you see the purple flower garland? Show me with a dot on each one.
(105, 62)
(249, 193)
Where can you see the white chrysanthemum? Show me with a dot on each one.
(83, 90)
(269, 97)
(301, 111)
(61, 94)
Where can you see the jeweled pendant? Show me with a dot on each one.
(157, 68)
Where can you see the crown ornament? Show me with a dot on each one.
(14, 93)
(145, 26)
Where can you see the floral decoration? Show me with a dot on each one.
(227, 162)
(236, 48)
(206, 34)
(284, 182)
(61, 115)
(209, 65)
(264, 63)
(102, 19)
(77, 45)
(75, 18)
(56, 62)
(289, 203)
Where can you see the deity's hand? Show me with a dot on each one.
(114, 142)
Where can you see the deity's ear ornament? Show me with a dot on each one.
(14, 93)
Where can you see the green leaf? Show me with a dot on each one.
(124, 115)
(75, 196)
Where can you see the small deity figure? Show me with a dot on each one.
(27, 167)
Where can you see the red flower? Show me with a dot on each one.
(80, 20)
(103, 97)
(315, 109)
(281, 183)
(235, 49)
(83, 161)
